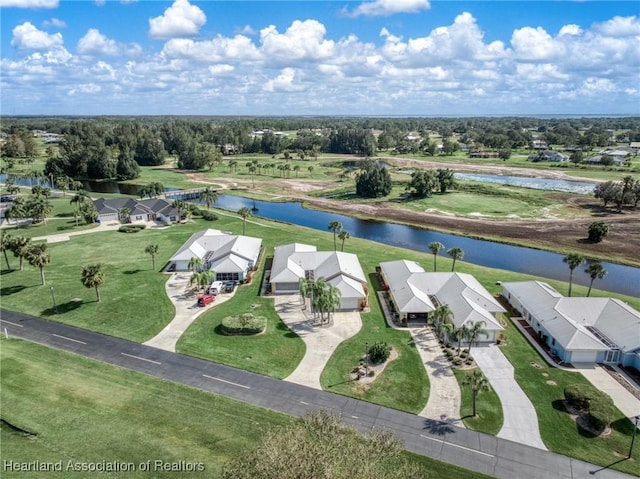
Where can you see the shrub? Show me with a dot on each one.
(209, 216)
(246, 323)
(601, 412)
(457, 361)
(379, 353)
(131, 228)
(578, 395)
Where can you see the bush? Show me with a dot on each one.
(246, 323)
(379, 353)
(209, 216)
(578, 395)
(131, 228)
(601, 412)
(457, 361)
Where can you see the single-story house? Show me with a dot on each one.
(578, 329)
(295, 261)
(548, 155)
(230, 256)
(415, 293)
(136, 211)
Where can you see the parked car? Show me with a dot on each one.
(216, 287)
(172, 268)
(229, 286)
(206, 299)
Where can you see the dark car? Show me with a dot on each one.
(206, 299)
(7, 199)
(172, 268)
(229, 287)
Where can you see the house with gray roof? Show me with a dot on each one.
(415, 294)
(230, 256)
(295, 261)
(578, 329)
(136, 211)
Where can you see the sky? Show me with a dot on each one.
(319, 57)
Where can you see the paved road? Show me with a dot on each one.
(479, 452)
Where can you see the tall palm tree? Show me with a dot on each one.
(306, 285)
(20, 246)
(478, 383)
(460, 334)
(5, 245)
(209, 196)
(124, 215)
(39, 207)
(335, 226)
(440, 316)
(573, 260)
(93, 277)
(475, 331)
(456, 254)
(344, 235)
(152, 249)
(244, 212)
(37, 256)
(195, 264)
(435, 247)
(595, 271)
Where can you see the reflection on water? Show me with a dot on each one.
(580, 187)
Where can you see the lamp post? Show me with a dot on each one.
(53, 297)
(366, 358)
(633, 437)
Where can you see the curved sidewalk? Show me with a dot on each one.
(187, 310)
(520, 417)
(321, 341)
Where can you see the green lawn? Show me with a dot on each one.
(544, 385)
(84, 411)
(489, 419)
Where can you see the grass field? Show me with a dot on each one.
(489, 418)
(88, 412)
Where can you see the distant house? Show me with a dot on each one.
(483, 154)
(539, 145)
(295, 261)
(230, 256)
(136, 211)
(548, 155)
(415, 294)
(578, 330)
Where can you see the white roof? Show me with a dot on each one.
(412, 289)
(291, 261)
(225, 250)
(578, 322)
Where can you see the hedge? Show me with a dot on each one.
(246, 324)
(131, 228)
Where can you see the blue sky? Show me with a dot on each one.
(379, 57)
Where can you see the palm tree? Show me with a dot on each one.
(331, 300)
(344, 235)
(460, 333)
(39, 207)
(478, 383)
(79, 199)
(475, 331)
(37, 256)
(440, 316)
(195, 264)
(335, 226)
(435, 247)
(152, 249)
(306, 285)
(595, 271)
(310, 169)
(93, 277)
(573, 260)
(20, 246)
(245, 213)
(5, 245)
(205, 278)
(209, 196)
(124, 215)
(456, 254)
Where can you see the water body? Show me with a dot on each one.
(620, 278)
(579, 187)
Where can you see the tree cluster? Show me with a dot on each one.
(620, 193)
(373, 180)
(424, 183)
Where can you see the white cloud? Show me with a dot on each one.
(302, 41)
(179, 20)
(570, 30)
(54, 23)
(95, 43)
(90, 88)
(534, 44)
(28, 37)
(619, 27)
(29, 3)
(284, 82)
(219, 49)
(385, 8)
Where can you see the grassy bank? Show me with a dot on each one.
(489, 416)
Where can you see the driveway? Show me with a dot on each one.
(601, 379)
(321, 341)
(520, 418)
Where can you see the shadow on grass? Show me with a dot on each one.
(65, 228)
(7, 271)
(438, 428)
(63, 308)
(9, 290)
(132, 271)
(340, 383)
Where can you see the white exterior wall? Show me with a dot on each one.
(108, 217)
(350, 304)
(285, 288)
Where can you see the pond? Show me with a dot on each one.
(620, 278)
(579, 187)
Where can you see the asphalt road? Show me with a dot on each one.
(472, 450)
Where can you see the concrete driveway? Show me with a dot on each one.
(520, 418)
(321, 340)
